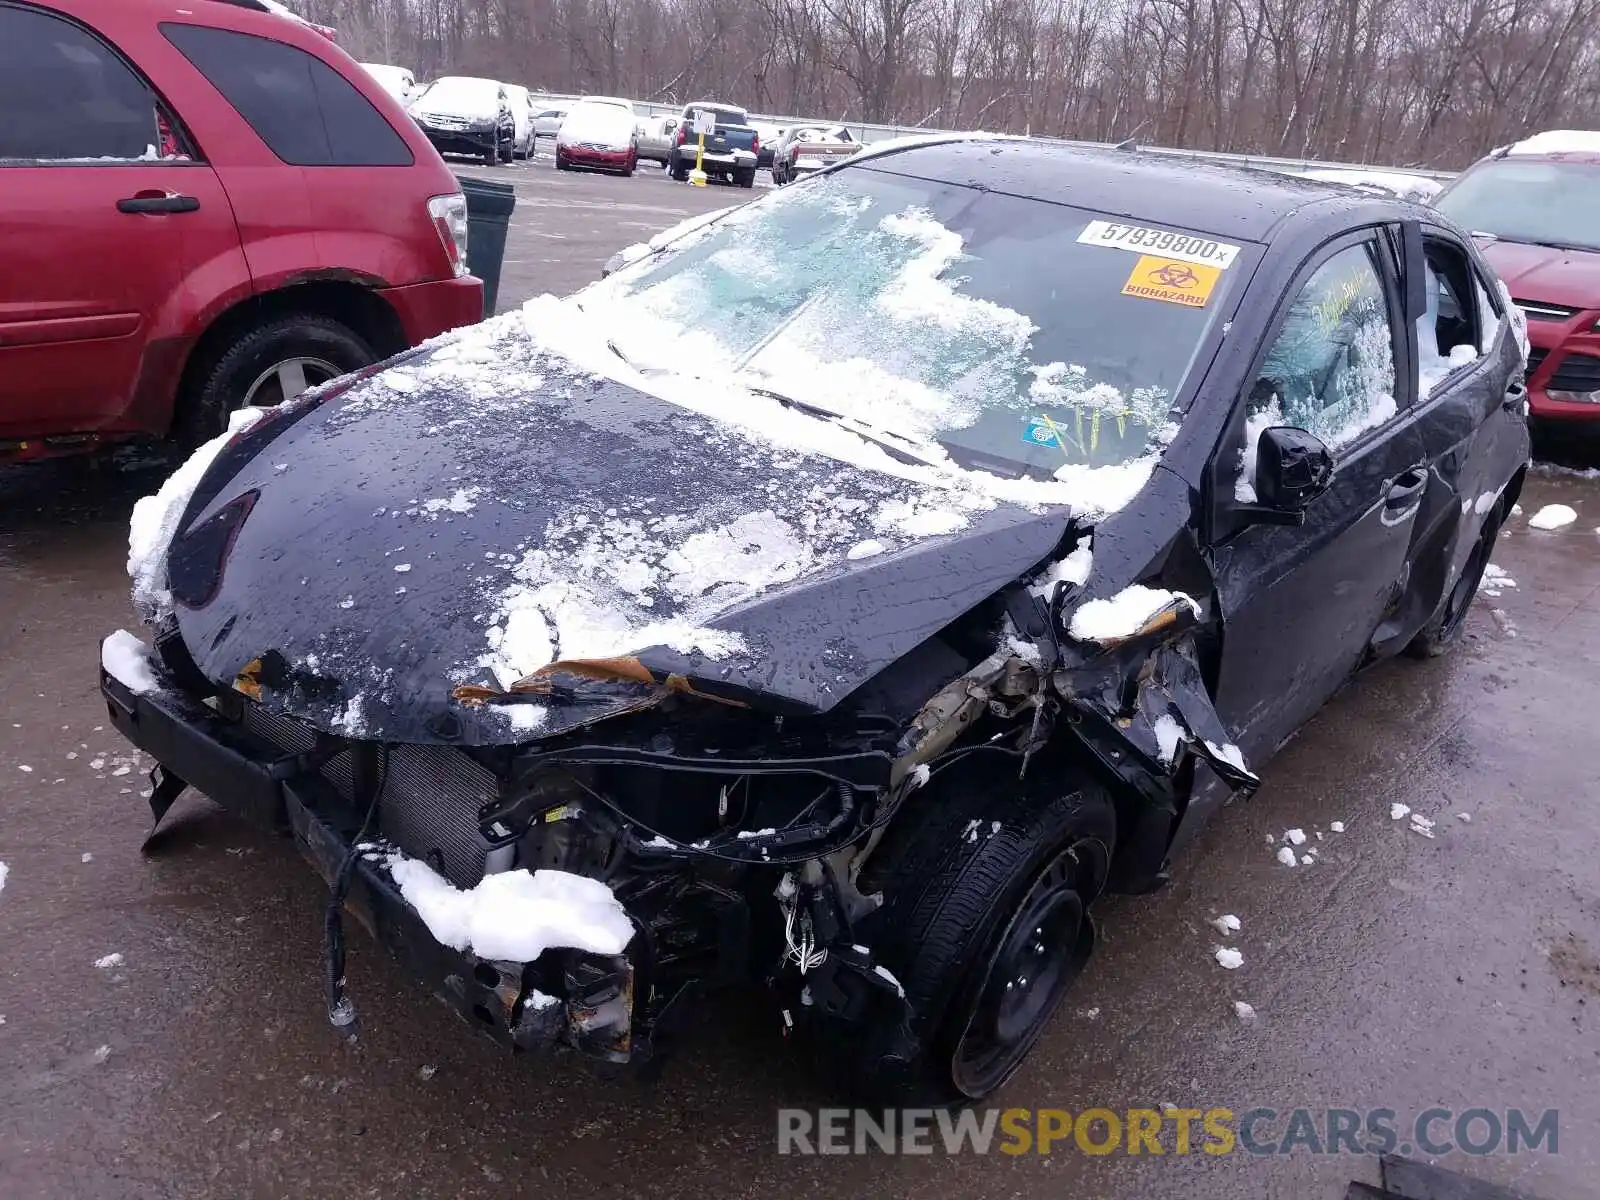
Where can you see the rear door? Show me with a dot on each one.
(1471, 409)
(107, 208)
(1301, 603)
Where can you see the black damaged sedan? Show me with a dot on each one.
(838, 598)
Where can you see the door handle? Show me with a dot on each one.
(158, 202)
(1405, 489)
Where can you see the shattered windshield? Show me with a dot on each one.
(1019, 334)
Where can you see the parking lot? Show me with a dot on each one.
(162, 1027)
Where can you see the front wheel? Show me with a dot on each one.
(745, 179)
(491, 158)
(985, 923)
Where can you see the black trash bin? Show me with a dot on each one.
(489, 206)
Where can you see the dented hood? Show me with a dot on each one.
(376, 562)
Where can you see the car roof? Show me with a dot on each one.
(1165, 189)
(1556, 145)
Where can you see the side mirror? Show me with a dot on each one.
(1293, 468)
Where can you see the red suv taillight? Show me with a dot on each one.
(755, 143)
(449, 216)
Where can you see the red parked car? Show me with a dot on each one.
(206, 205)
(1535, 209)
(597, 134)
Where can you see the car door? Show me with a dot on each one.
(106, 208)
(1471, 410)
(1300, 602)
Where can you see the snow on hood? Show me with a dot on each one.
(1560, 141)
(460, 96)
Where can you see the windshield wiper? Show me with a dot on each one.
(897, 446)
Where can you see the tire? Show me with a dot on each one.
(225, 384)
(491, 158)
(1443, 630)
(745, 179)
(952, 928)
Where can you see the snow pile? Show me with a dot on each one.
(1553, 516)
(108, 961)
(1286, 856)
(1074, 568)
(155, 519)
(1122, 615)
(1434, 367)
(1295, 837)
(1226, 924)
(1398, 811)
(1399, 183)
(1229, 960)
(1336, 826)
(515, 916)
(1495, 581)
(1560, 141)
(127, 660)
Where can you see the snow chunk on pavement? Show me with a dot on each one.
(155, 519)
(1229, 960)
(127, 660)
(1552, 516)
(1227, 923)
(4, 871)
(1286, 856)
(1398, 811)
(1243, 1011)
(1295, 837)
(1336, 826)
(1495, 581)
(866, 549)
(109, 961)
(517, 915)
(1122, 615)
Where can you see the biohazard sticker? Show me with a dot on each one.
(1172, 280)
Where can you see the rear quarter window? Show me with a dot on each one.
(307, 113)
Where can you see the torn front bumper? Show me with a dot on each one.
(565, 997)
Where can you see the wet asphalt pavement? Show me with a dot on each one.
(1396, 971)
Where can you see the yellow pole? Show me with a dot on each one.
(699, 177)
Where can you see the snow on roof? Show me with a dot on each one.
(1560, 141)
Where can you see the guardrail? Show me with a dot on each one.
(868, 133)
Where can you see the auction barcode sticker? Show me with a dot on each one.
(1142, 240)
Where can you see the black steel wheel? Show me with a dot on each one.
(987, 884)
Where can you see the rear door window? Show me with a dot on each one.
(65, 96)
(307, 113)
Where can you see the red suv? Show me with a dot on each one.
(1534, 207)
(206, 205)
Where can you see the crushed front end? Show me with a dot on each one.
(715, 829)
